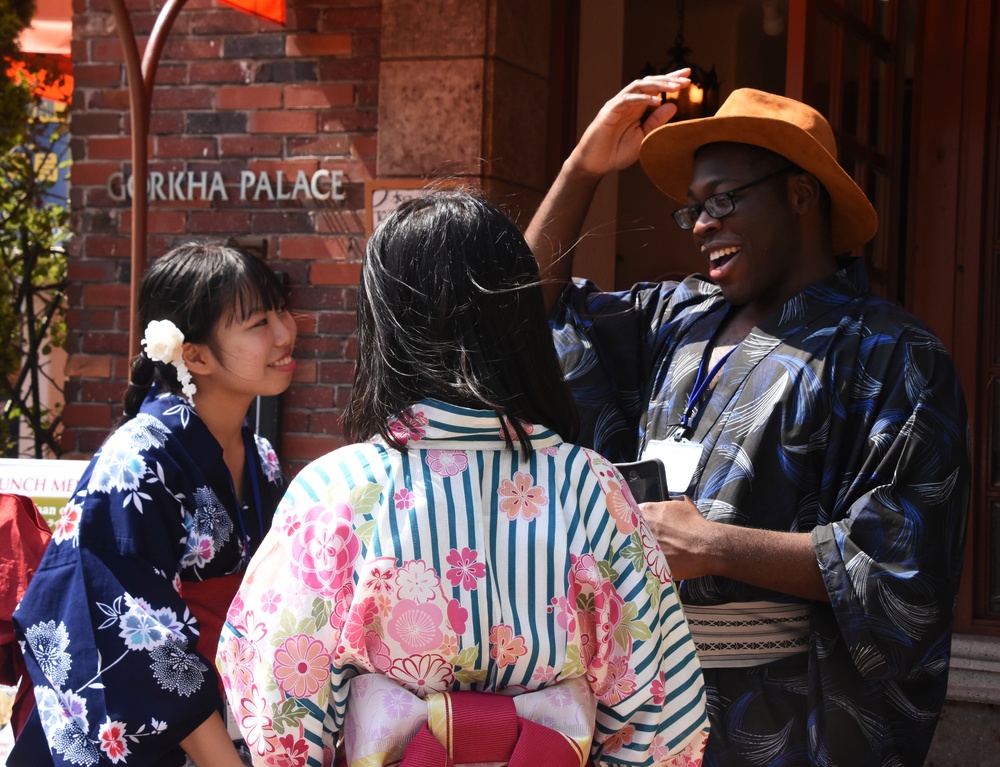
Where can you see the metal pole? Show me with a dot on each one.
(141, 75)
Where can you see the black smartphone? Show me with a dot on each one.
(646, 479)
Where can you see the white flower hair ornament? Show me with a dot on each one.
(162, 342)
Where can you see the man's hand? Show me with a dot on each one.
(612, 140)
(684, 535)
(695, 546)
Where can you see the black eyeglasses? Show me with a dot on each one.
(719, 205)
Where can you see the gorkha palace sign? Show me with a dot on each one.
(186, 185)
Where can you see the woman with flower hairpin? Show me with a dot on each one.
(120, 624)
(462, 546)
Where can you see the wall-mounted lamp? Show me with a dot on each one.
(774, 17)
(701, 99)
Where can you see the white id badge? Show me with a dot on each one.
(680, 459)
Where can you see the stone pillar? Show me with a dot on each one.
(463, 92)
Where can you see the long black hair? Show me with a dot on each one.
(196, 286)
(450, 307)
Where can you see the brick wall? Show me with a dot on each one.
(232, 94)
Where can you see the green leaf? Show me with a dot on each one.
(288, 626)
(467, 657)
(652, 588)
(607, 570)
(634, 553)
(631, 628)
(366, 532)
(572, 667)
(364, 497)
(288, 714)
(477, 676)
(320, 613)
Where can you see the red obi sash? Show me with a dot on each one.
(209, 601)
(482, 727)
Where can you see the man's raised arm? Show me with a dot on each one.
(611, 142)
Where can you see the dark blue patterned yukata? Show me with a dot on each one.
(109, 622)
(840, 415)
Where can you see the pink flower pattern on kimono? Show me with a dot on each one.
(255, 722)
(409, 427)
(621, 507)
(506, 427)
(505, 647)
(301, 666)
(417, 627)
(690, 756)
(245, 620)
(621, 738)
(423, 674)
(324, 549)
(270, 601)
(447, 463)
(565, 614)
(522, 497)
(294, 752)
(380, 580)
(465, 569)
(239, 656)
(543, 675)
(658, 689)
(341, 604)
(417, 580)
(378, 652)
(361, 617)
(600, 611)
(619, 682)
(457, 616)
(403, 499)
(658, 565)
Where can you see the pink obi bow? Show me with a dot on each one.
(386, 724)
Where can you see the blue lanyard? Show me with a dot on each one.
(701, 383)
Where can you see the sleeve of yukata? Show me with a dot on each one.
(603, 341)
(276, 651)
(108, 640)
(892, 558)
(640, 660)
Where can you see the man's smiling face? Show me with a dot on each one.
(751, 253)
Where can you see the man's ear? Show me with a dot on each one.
(197, 357)
(804, 192)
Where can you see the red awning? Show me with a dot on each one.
(273, 10)
(47, 36)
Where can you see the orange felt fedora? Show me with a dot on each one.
(787, 127)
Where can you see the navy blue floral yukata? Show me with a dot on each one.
(841, 415)
(108, 622)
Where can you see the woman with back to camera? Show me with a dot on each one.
(463, 546)
(120, 624)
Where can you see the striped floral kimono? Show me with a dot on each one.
(460, 565)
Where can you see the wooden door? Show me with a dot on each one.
(923, 141)
(955, 258)
(844, 59)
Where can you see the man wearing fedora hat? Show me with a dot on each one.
(816, 435)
